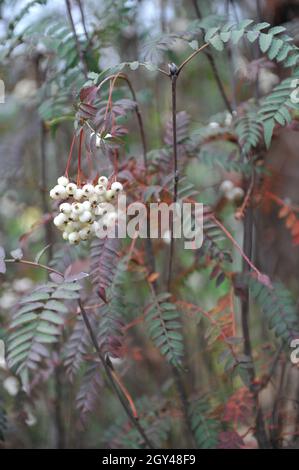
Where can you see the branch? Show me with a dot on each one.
(78, 45)
(83, 19)
(186, 61)
(213, 66)
(174, 73)
(137, 109)
(111, 376)
(33, 264)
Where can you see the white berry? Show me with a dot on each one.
(74, 237)
(116, 186)
(60, 191)
(110, 195)
(63, 181)
(103, 180)
(99, 189)
(237, 194)
(71, 189)
(88, 189)
(77, 208)
(93, 200)
(65, 208)
(85, 217)
(84, 233)
(226, 185)
(54, 194)
(60, 220)
(78, 194)
(86, 205)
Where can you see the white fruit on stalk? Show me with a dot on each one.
(65, 208)
(88, 189)
(109, 219)
(116, 186)
(84, 233)
(59, 192)
(54, 195)
(78, 194)
(77, 208)
(102, 197)
(100, 189)
(110, 194)
(73, 216)
(65, 235)
(106, 207)
(63, 181)
(93, 200)
(86, 216)
(60, 220)
(103, 180)
(226, 186)
(86, 205)
(71, 189)
(237, 194)
(74, 237)
(69, 227)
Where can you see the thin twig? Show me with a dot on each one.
(109, 373)
(174, 71)
(175, 174)
(137, 109)
(260, 430)
(186, 61)
(213, 66)
(83, 19)
(77, 42)
(33, 264)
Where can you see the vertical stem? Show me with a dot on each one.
(177, 376)
(213, 66)
(109, 374)
(77, 42)
(140, 122)
(260, 431)
(44, 194)
(175, 175)
(83, 19)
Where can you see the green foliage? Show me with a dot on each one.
(111, 313)
(162, 321)
(38, 322)
(272, 43)
(276, 45)
(156, 425)
(24, 11)
(274, 108)
(278, 307)
(206, 429)
(90, 390)
(249, 132)
(75, 348)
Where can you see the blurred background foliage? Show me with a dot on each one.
(44, 65)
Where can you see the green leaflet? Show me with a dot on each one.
(38, 323)
(162, 320)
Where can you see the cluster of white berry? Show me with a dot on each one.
(231, 192)
(84, 207)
